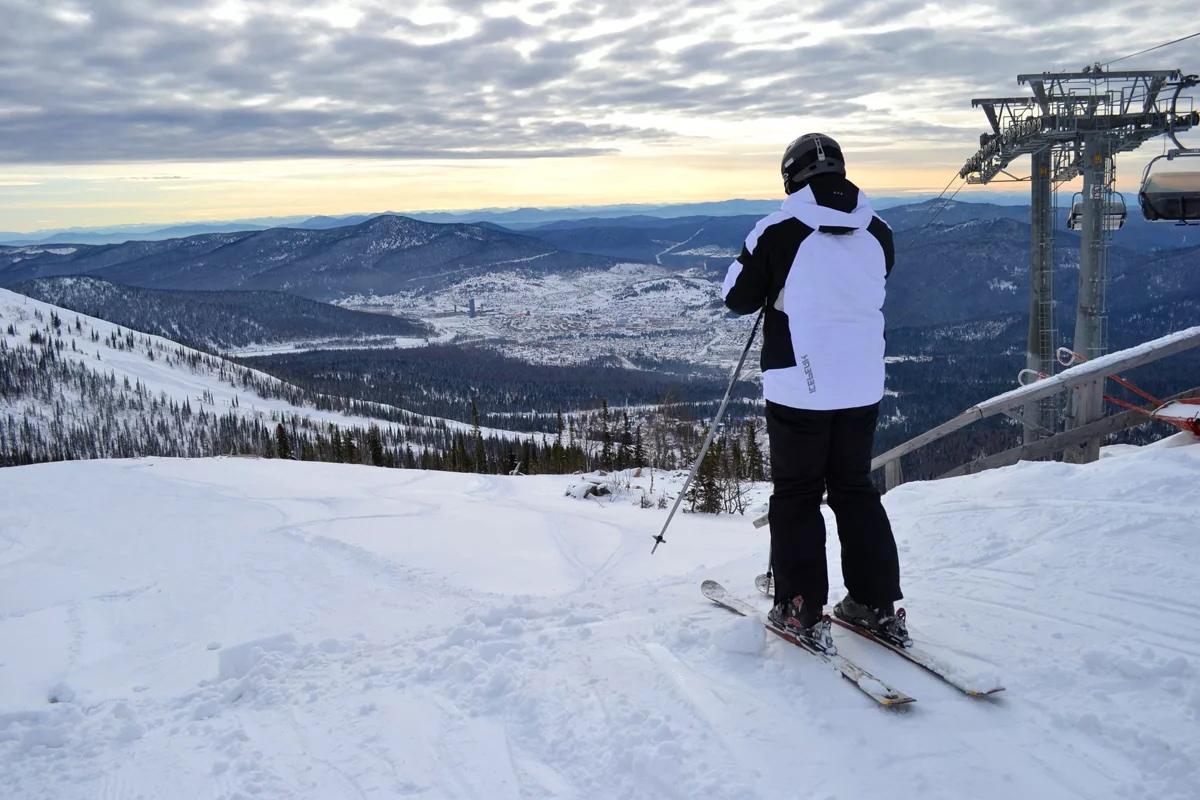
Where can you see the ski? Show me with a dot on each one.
(867, 683)
(925, 661)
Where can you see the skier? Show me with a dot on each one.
(818, 266)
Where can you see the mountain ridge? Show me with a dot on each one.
(381, 255)
(220, 320)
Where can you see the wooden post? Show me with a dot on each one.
(892, 474)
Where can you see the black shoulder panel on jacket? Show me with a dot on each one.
(883, 234)
(766, 267)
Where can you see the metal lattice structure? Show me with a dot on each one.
(1067, 108)
(1074, 124)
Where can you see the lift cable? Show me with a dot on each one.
(1151, 49)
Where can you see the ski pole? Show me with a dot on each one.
(712, 431)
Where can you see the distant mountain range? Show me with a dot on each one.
(692, 241)
(639, 292)
(115, 234)
(980, 268)
(513, 219)
(383, 255)
(955, 261)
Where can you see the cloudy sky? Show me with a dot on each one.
(122, 111)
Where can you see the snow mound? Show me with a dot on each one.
(743, 635)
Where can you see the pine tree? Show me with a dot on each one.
(705, 492)
(283, 447)
(639, 453)
(337, 449)
(461, 462)
(755, 470)
(625, 451)
(375, 446)
(606, 439)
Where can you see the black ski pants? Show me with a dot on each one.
(813, 452)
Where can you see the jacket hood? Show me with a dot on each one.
(816, 209)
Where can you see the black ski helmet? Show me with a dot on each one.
(811, 154)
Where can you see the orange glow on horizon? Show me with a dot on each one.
(33, 198)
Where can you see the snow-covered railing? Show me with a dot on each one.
(1083, 375)
(1044, 448)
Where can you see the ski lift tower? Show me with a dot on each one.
(1074, 124)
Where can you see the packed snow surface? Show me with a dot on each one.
(234, 628)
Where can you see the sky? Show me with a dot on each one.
(159, 111)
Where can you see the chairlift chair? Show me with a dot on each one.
(1171, 196)
(1112, 217)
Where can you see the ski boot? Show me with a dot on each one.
(883, 622)
(804, 622)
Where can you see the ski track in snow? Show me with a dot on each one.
(658, 256)
(291, 630)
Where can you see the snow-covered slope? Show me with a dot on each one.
(234, 628)
(113, 377)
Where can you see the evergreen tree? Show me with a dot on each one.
(461, 461)
(283, 447)
(625, 451)
(705, 491)
(606, 439)
(337, 450)
(755, 470)
(639, 453)
(375, 446)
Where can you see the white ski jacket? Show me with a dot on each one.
(819, 265)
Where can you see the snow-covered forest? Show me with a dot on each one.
(75, 387)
